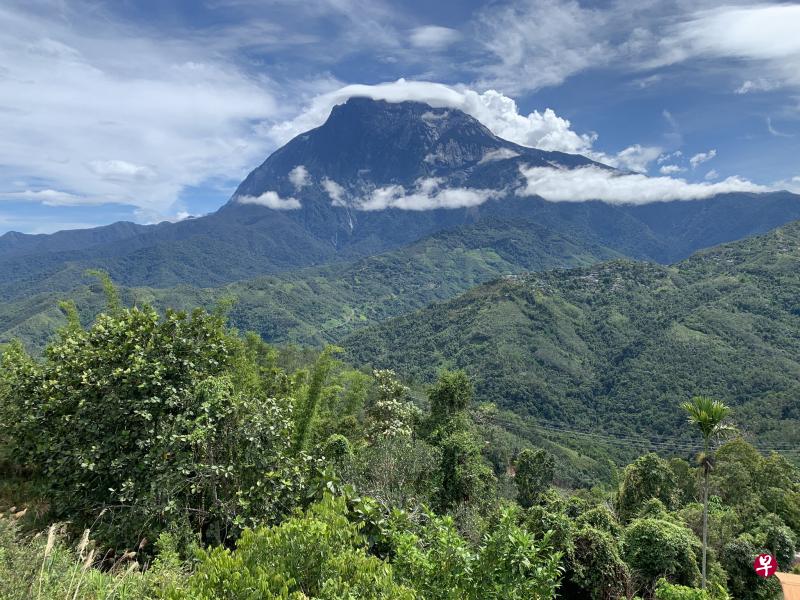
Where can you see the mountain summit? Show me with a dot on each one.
(368, 143)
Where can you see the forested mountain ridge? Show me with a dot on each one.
(321, 304)
(313, 202)
(617, 346)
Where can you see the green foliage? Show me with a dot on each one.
(317, 555)
(648, 477)
(509, 562)
(595, 567)
(655, 548)
(534, 474)
(466, 478)
(47, 568)
(669, 591)
(708, 416)
(307, 409)
(449, 396)
(614, 348)
(600, 517)
(743, 582)
(392, 414)
(136, 424)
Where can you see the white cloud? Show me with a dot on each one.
(538, 43)
(774, 131)
(711, 175)
(48, 197)
(334, 191)
(671, 169)
(633, 158)
(299, 177)
(120, 169)
(669, 156)
(757, 85)
(270, 200)
(792, 185)
(702, 157)
(593, 183)
(498, 154)
(427, 195)
(763, 37)
(116, 115)
(433, 37)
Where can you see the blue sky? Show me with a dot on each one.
(146, 110)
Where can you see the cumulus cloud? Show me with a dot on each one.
(593, 183)
(299, 177)
(433, 37)
(633, 158)
(427, 195)
(669, 156)
(544, 130)
(792, 185)
(498, 154)
(702, 157)
(335, 192)
(671, 169)
(270, 200)
(711, 175)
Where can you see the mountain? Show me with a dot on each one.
(321, 304)
(375, 176)
(615, 347)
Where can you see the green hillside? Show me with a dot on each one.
(320, 304)
(616, 347)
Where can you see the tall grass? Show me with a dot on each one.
(45, 567)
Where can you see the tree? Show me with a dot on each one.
(708, 415)
(655, 548)
(594, 567)
(534, 474)
(449, 396)
(137, 424)
(649, 476)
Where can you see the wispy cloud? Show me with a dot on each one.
(774, 131)
(105, 113)
(701, 157)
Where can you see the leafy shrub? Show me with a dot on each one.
(319, 554)
(669, 591)
(136, 424)
(648, 477)
(654, 548)
(509, 563)
(743, 582)
(534, 474)
(595, 568)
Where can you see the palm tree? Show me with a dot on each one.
(708, 415)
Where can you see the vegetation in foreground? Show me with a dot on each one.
(163, 456)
